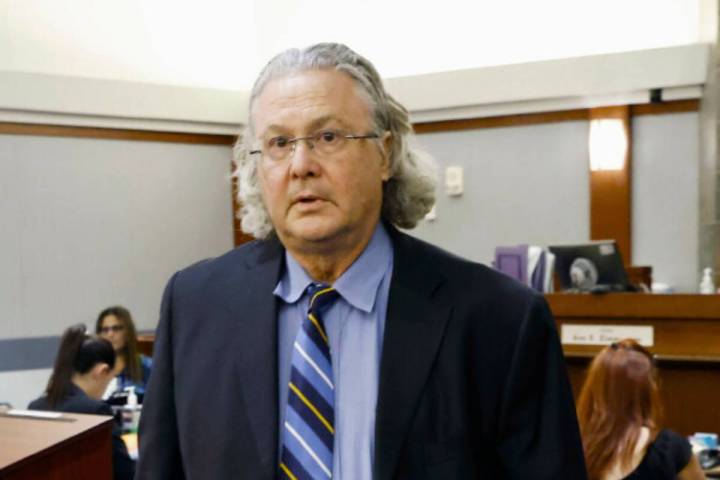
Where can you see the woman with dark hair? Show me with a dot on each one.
(115, 324)
(83, 368)
(619, 412)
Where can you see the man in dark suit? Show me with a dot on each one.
(336, 346)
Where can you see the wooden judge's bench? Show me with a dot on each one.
(685, 331)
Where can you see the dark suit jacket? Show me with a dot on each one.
(472, 377)
(78, 402)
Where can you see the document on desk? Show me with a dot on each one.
(34, 414)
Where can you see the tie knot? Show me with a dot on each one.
(321, 297)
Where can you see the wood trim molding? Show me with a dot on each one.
(676, 106)
(114, 134)
(502, 121)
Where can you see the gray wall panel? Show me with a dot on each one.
(526, 184)
(88, 223)
(666, 197)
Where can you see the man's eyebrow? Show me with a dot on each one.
(316, 124)
(273, 129)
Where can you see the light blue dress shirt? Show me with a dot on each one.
(355, 324)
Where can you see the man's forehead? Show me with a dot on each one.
(313, 96)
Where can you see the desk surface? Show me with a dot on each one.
(634, 305)
(21, 437)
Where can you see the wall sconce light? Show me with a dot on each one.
(608, 144)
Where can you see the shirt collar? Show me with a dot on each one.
(358, 285)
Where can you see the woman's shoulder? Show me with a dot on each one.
(668, 453)
(75, 402)
(85, 404)
(675, 446)
(40, 403)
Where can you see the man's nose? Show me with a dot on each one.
(303, 158)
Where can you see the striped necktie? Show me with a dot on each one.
(309, 429)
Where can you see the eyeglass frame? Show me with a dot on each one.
(312, 139)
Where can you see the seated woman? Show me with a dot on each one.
(619, 415)
(83, 368)
(115, 324)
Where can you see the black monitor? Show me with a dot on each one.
(595, 266)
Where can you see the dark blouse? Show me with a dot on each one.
(664, 458)
(78, 402)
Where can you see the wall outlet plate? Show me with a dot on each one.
(454, 180)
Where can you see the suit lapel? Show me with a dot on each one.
(413, 330)
(254, 308)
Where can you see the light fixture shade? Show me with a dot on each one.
(608, 144)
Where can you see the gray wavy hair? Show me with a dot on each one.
(409, 193)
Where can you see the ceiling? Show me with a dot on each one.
(224, 43)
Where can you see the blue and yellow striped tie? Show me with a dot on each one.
(309, 429)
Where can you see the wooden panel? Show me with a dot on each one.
(610, 192)
(687, 345)
(633, 305)
(145, 343)
(79, 447)
(113, 134)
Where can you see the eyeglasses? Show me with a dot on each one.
(324, 143)
(112, 328)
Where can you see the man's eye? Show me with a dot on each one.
(279, 142)
(328, 136)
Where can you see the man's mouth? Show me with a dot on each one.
(307, 199)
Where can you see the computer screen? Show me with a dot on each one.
(589, 265)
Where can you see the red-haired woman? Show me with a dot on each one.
(619, 413)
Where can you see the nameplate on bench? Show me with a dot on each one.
(575, 334)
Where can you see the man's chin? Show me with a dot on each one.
(313, 234)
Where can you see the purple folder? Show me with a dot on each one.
(512, 261)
